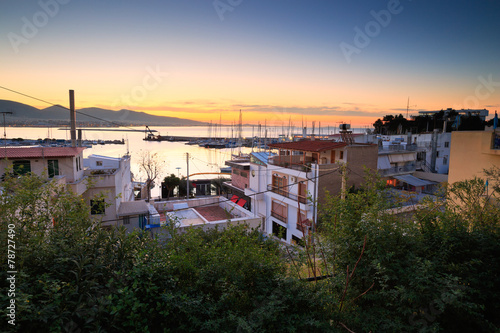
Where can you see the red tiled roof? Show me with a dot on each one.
(39, 152)
(309, 145)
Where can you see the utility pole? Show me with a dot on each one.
(187, 177)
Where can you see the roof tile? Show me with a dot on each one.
(39, 152)
(309, 145)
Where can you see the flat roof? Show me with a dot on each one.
(40, 152)
(133, 208)
(214, 213)
(309, 145)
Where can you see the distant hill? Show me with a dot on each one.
(23, 113)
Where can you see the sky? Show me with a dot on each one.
(327, 61)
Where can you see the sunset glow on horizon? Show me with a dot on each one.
(274, 62)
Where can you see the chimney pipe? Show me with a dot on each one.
(72, 117)
(79, 143)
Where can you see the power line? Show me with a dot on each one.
(63, 107)
(257, 193)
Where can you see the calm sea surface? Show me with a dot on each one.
(172, 154)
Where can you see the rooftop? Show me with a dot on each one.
(40, 152)
(213, 213)
(128, 208)
(309, 145)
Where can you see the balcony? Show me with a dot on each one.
(392, 148)
(295, 162)
(398, 170)
(279, 216)
(285, 193)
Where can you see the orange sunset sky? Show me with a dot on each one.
(273, 61)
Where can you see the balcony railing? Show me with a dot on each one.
(295, 162)
(283, 192)
(408, 168)
(388, 148)
(279, 216)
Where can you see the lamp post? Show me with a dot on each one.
(178, 171)
(4, 132)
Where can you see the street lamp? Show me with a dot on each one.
(178, 172)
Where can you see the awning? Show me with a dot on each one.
(383, 162)
(399, 158)
(241, 202)
(234, 198)
(414, 181)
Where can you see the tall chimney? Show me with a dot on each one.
(79, 143)
(72, 117)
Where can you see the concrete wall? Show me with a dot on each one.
(358, 157)
(471, 153)
(39, 166)
(238, 180)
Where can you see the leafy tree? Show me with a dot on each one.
(183, 185)
(170, 183)
(75, 276)
(217, 182)
(434, 269)
(378, 124)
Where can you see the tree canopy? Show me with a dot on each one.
(434, 269)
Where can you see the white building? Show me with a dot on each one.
(285, 187)
(110, 178)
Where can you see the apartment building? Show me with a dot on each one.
(65, 164)
(301, 174)
(472, 152)
(110, 178)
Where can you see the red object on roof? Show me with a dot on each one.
(309, 145)
(234, 198)
(241, 202)
(40, 152)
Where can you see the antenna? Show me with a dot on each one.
(408, 107)
(128, 150)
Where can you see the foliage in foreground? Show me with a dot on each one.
(75, 276)
(435, 270)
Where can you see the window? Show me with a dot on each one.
(126, 220)
(97, 207)
(445, 160)
(98, 163)
(77, 164)
(279, 211)
(236, 172)
(446, 144)
(341, 154)
(279, 185)
(279, 230)
(302, 222)
(298, 241)
(53, 166)
(21, 167)
(244, 174)
(437, 154)
(302, 192)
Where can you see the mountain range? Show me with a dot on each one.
(23, 113)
